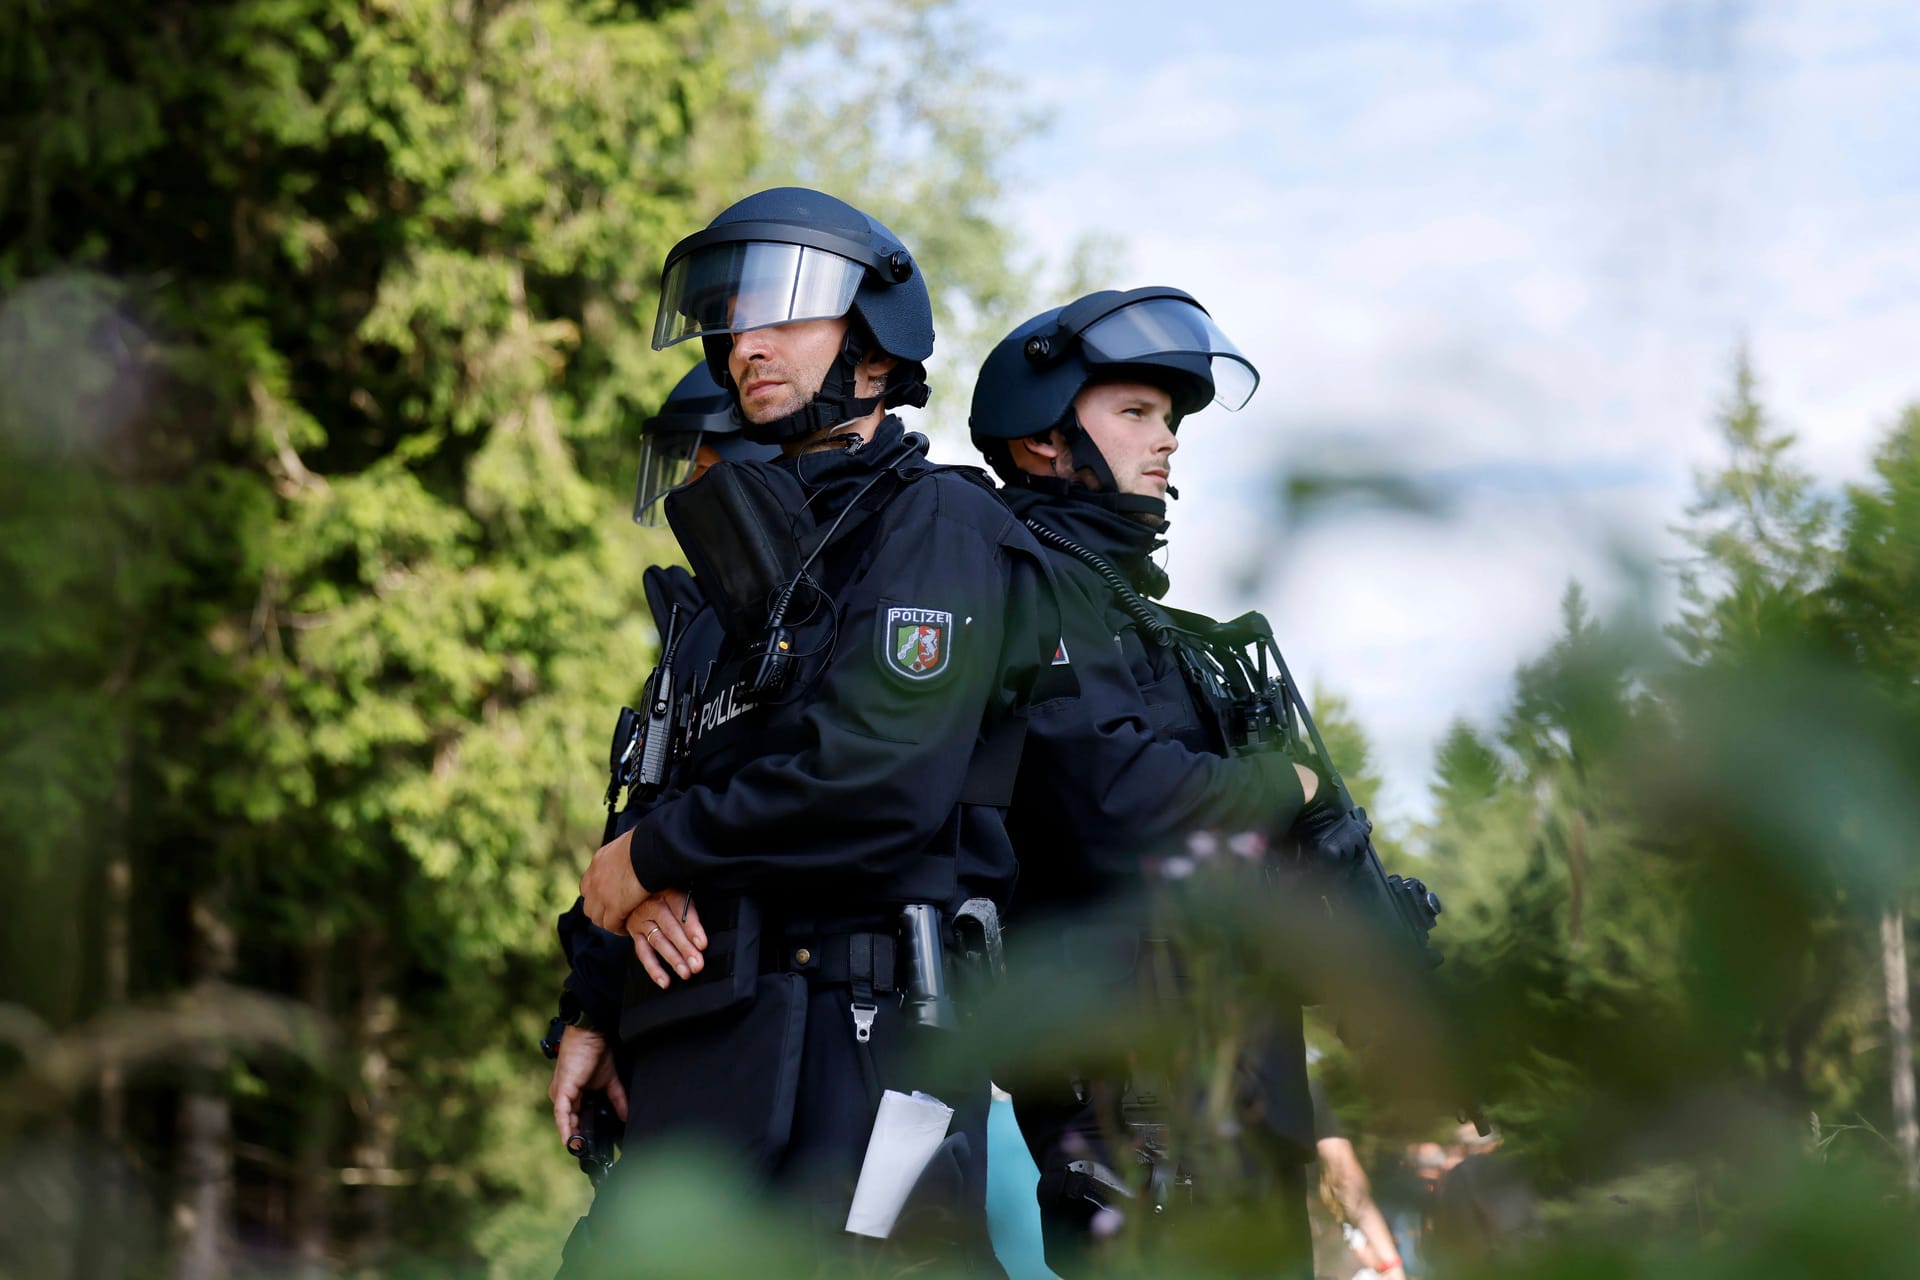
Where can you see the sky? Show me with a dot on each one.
(1506, 249)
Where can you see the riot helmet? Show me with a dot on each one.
(788, 255)
(697, 415)
(1157, 335)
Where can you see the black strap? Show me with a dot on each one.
(863, 961)
(996, 761)
(995, 764)
(869, 500)
(859, 967)
(1153, 628)
(907, 464)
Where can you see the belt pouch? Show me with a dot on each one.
(726, 980)
(727, 1080)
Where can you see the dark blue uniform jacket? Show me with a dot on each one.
(857, 786)
(880, 776)
(1138, 761)
(1130, 768)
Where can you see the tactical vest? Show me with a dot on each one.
(718, 728)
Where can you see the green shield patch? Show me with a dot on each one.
(916, 643)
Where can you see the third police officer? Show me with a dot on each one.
(1077, 410)
(695, 428)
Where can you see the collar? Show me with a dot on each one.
(1101, 522)
(832, 476)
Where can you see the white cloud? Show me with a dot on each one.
(1497, 236)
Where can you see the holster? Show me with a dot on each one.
(727, 1079)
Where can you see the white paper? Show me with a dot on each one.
(906, 1133)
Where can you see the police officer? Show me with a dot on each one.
(695, 428)
(1077, 410)
(850, 725)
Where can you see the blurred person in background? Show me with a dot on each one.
(1406, 1198)
(1485, 1205)
(1343, 1182)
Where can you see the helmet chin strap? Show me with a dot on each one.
(1087, 456)
(834, 404)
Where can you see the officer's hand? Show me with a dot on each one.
(1328, 835)
(584, 1062)
(1332, 837)
(610, 889)
(659, 934)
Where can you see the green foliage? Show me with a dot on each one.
(323, 331)
(1662, 880)
(325, 598)
(1760, 535)
(1876, 584)
(1352, 754)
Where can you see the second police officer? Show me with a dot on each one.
(845, 730)
(695, 428)
(1077, 411)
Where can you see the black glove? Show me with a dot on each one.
(1329, 836)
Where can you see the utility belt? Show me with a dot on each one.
(918, 955)
(867, 961)
(721, 1053)
(838, 955)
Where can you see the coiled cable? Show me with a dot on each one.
(1137, 608)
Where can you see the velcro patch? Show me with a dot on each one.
(916, 643)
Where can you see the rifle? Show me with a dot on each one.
(1269, 712)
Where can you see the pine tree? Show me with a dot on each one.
(1760, 535)
(1876, 598)
(1466, 771)
(1481, 826)
(385, 268)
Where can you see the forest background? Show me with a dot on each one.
(322, 342)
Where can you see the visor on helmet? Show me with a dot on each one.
(736, 285)
(1172, 326)
(666, 463)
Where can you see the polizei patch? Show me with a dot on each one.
(916, 643)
